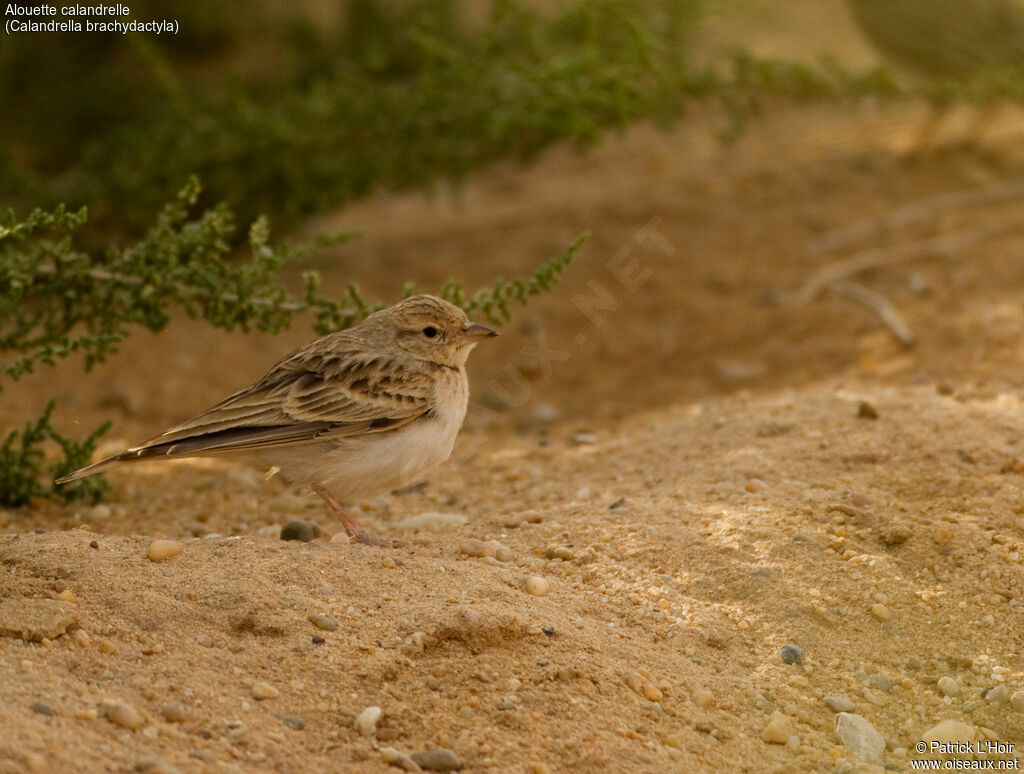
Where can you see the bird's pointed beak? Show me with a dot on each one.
(478, 331)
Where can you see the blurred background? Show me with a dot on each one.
(776, 193)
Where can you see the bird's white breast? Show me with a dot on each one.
(367, 465)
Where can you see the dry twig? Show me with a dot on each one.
(916, 213)
(912, 251)
(878, 304)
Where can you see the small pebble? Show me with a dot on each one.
(81, 638)
(159, 550)
(643, 686)
(318, 640)
(300, 530)
(756, 485)
(93, 544)
(949, 731)
(398, 759)
(881, 612)
(778, 730)
(366, 723)
(866, 411)
(124, 716)
(323, 621)
(702, 697)
(791, 654)
(581, 439)
(1017, 701)
(998, 695)
(545, 412)
(948, 686)
(559, 552)
(292, 721)
(474, 547)
(881, 682)
(439, 759)
(895, 533)
(537, 586)
(860, 737)
(67, 595)
(839, 703)
(42, 708)
(262, 690)
(174, 713)
(205, 640)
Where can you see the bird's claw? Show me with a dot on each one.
(364, 537)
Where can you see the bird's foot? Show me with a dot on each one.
(356, 534)
(360, 535)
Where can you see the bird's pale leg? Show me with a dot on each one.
(356, 533)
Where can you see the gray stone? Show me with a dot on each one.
(300, 530)
(860, 737)
(791, 654)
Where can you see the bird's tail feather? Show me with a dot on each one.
(129, 455)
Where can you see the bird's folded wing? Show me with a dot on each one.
(302, 399)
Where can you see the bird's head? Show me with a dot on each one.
(433, 329)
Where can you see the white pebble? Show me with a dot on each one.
(998, 695)
(949, 731)
(537, 586)
(366, 723)
(948, 686)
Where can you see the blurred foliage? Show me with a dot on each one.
(22, 460)
(61, 299)
(393, 94)
(278, 110)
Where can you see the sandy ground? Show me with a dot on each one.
(710, 477)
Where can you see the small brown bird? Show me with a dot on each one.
(352, 414)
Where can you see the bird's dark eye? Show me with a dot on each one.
(430, 331)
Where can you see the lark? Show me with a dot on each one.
(350, 415)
